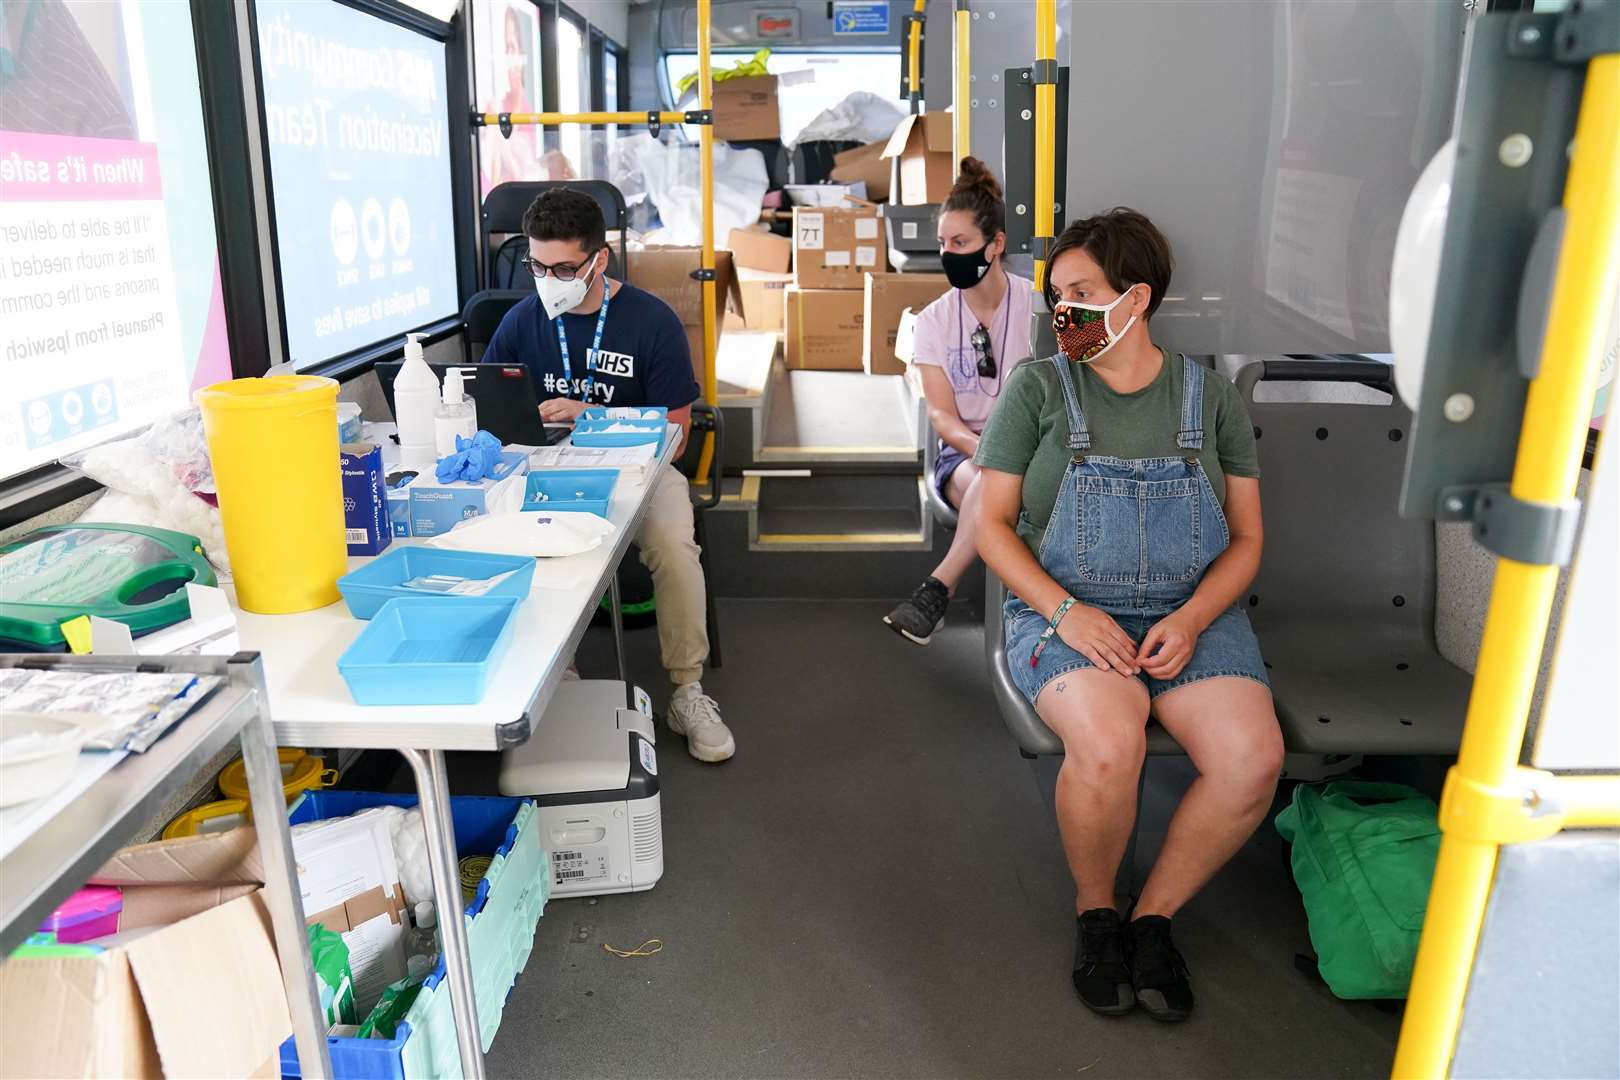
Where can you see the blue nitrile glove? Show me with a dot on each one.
(474, 459)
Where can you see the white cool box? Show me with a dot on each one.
(592, 768)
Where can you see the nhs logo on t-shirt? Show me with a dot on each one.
(620, 365)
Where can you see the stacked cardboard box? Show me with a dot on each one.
(667, 272)
(833, 251)
(887, 298)
(763, 262)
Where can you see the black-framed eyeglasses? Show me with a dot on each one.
(981, 349)
(563, 271)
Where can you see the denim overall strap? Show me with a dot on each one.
(1079, 437)
(1191, 435)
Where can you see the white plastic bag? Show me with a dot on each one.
(670, 174)
(863, 117)
(154, 477)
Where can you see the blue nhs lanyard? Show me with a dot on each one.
(590, 357)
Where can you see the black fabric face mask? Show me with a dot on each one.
(964, 269)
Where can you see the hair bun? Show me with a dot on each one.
(975, 176)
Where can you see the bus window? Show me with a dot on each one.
(836, 74)
(573, 74)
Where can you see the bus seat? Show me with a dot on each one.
(482, 315)
(1032, 735)
(502, 215)
(1344, 602)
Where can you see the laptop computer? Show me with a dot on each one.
(504, 395)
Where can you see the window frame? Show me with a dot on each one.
(453, 38)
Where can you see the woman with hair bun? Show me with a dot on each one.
(967, 342)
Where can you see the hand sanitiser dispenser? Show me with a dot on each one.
(457, 414)
(592, 769)
(416, 400)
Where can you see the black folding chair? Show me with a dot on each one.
(503, 216)
(483, 315)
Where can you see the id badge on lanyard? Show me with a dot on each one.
(590, 357)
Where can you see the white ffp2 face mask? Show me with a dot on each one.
(1083, 330)
(560, 296)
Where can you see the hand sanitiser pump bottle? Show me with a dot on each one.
(456, 415)
(416, 400)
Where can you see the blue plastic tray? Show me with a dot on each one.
(592, 432)
(648, 412)
(430, 650)
(562, 486)
(484, 826)
(367, 589)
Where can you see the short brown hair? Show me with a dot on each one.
(1128, 247)
(565, 214)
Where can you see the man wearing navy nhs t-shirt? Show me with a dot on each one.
(624, 347)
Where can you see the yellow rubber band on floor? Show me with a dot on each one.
(647, 948)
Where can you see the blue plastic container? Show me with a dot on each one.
(484, 826)
(584, 490)
(430, 650)
(645, 412)
(367, 589)
(593, 432)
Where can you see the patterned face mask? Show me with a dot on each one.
(1083, 331)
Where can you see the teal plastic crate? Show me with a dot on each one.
(587, 491)
(500, 923)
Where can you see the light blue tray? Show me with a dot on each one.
(592, 432)
(563, 485)
(430, 650)
(367, 589)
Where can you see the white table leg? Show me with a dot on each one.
(434, 792)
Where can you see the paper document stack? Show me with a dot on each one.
(633, 462)
(350, 884)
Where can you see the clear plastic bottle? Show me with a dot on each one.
(423, 940)
(456, 415)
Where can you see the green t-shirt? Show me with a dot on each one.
(1028, 432)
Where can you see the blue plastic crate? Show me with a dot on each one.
(629, 412)
(429, 650)
(367, 589)
(501, 920)
(564, 487)
(593, 432)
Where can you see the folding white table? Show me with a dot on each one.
(311, 706)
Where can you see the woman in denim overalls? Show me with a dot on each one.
(1126, 607)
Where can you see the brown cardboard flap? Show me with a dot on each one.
(937, 133)
(867, 164)
(74, 1016)
(902, 135)
(213, 992)
(227, 857)
(760, 249)
(360, 909)
(162, 905)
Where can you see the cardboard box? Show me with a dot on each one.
(888, 296)
(747, 109)
(763, 300)
(835, 249)
(824, 331)
(200, 997)
(437, 508)
(365, 502)
(760, 249)
(667, 272)
(927, 166)
(865, 164)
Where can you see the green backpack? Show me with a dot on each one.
(1363, 857)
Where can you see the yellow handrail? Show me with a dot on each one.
(556, 119)
(711, 332)
(1045, 133)
(961, 107)
(1480, 787)
(914, 52)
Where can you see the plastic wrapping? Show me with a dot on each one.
(160, 476)
(862, 117)
(670, 175)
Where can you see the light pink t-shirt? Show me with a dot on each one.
(944, 339)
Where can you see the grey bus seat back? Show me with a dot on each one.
(1023, 722)
(1344, 601)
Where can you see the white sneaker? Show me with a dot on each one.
(694, 714)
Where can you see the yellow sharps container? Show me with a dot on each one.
(274, 446)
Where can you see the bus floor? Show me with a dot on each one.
(874, 887)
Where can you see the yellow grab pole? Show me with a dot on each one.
(1045, 135)
(558, 119)
(1480, 792)
(706, 149)
(914, 55)
(961, 107)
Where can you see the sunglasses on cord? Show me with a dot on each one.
(981, 349)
